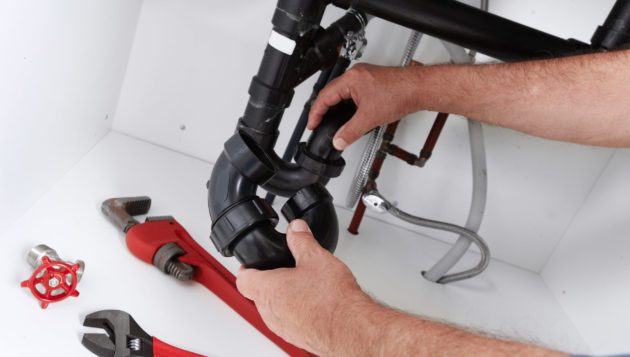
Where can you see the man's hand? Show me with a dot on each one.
(300, 304)
(581, 99)
(382, 95)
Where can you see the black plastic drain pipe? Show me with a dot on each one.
(615, 32)
(469, 27)
(243, 224)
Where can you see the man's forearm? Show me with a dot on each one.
(581, 99)
(319, 306)
(369, 329)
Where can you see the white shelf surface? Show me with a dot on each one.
(386, 259)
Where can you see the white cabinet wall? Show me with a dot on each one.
(61, 69)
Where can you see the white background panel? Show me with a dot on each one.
(61, 71)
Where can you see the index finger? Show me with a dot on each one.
(336, 91)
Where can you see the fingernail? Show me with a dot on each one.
(299, 226)
(339, 143)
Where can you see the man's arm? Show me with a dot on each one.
(581, 99)
(319, 306)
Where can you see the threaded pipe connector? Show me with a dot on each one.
(166, 259)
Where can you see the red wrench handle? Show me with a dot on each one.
(145, 239)
(162, 349)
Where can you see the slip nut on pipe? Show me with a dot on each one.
(305, 199)
(233, 224)
(318, 166)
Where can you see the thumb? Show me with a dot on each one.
(352, 130)
(301, 242)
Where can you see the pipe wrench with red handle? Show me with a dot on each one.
(163, 242)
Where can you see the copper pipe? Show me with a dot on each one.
(402, 154)
(432, 138)
(356, 218)
(391, 129)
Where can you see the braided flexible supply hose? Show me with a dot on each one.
(376, 135)
(379, 203)
(365, 163)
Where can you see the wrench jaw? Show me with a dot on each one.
(121, 210)
(152, 241)
(123, 338)
(99, 344)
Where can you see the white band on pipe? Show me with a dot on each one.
(281, 43)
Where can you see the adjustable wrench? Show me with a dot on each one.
(125, 338)
(162, 241)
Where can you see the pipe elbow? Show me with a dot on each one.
(289, 178)
(247, 229)
(226, 187)
(243, 224)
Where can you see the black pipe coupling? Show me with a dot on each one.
(317, 155)
(235, 223)
(318, 166)
(264, 95)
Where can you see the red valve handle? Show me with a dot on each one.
(53, 276)
(162, 349)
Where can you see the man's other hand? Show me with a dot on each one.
(301, 304)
